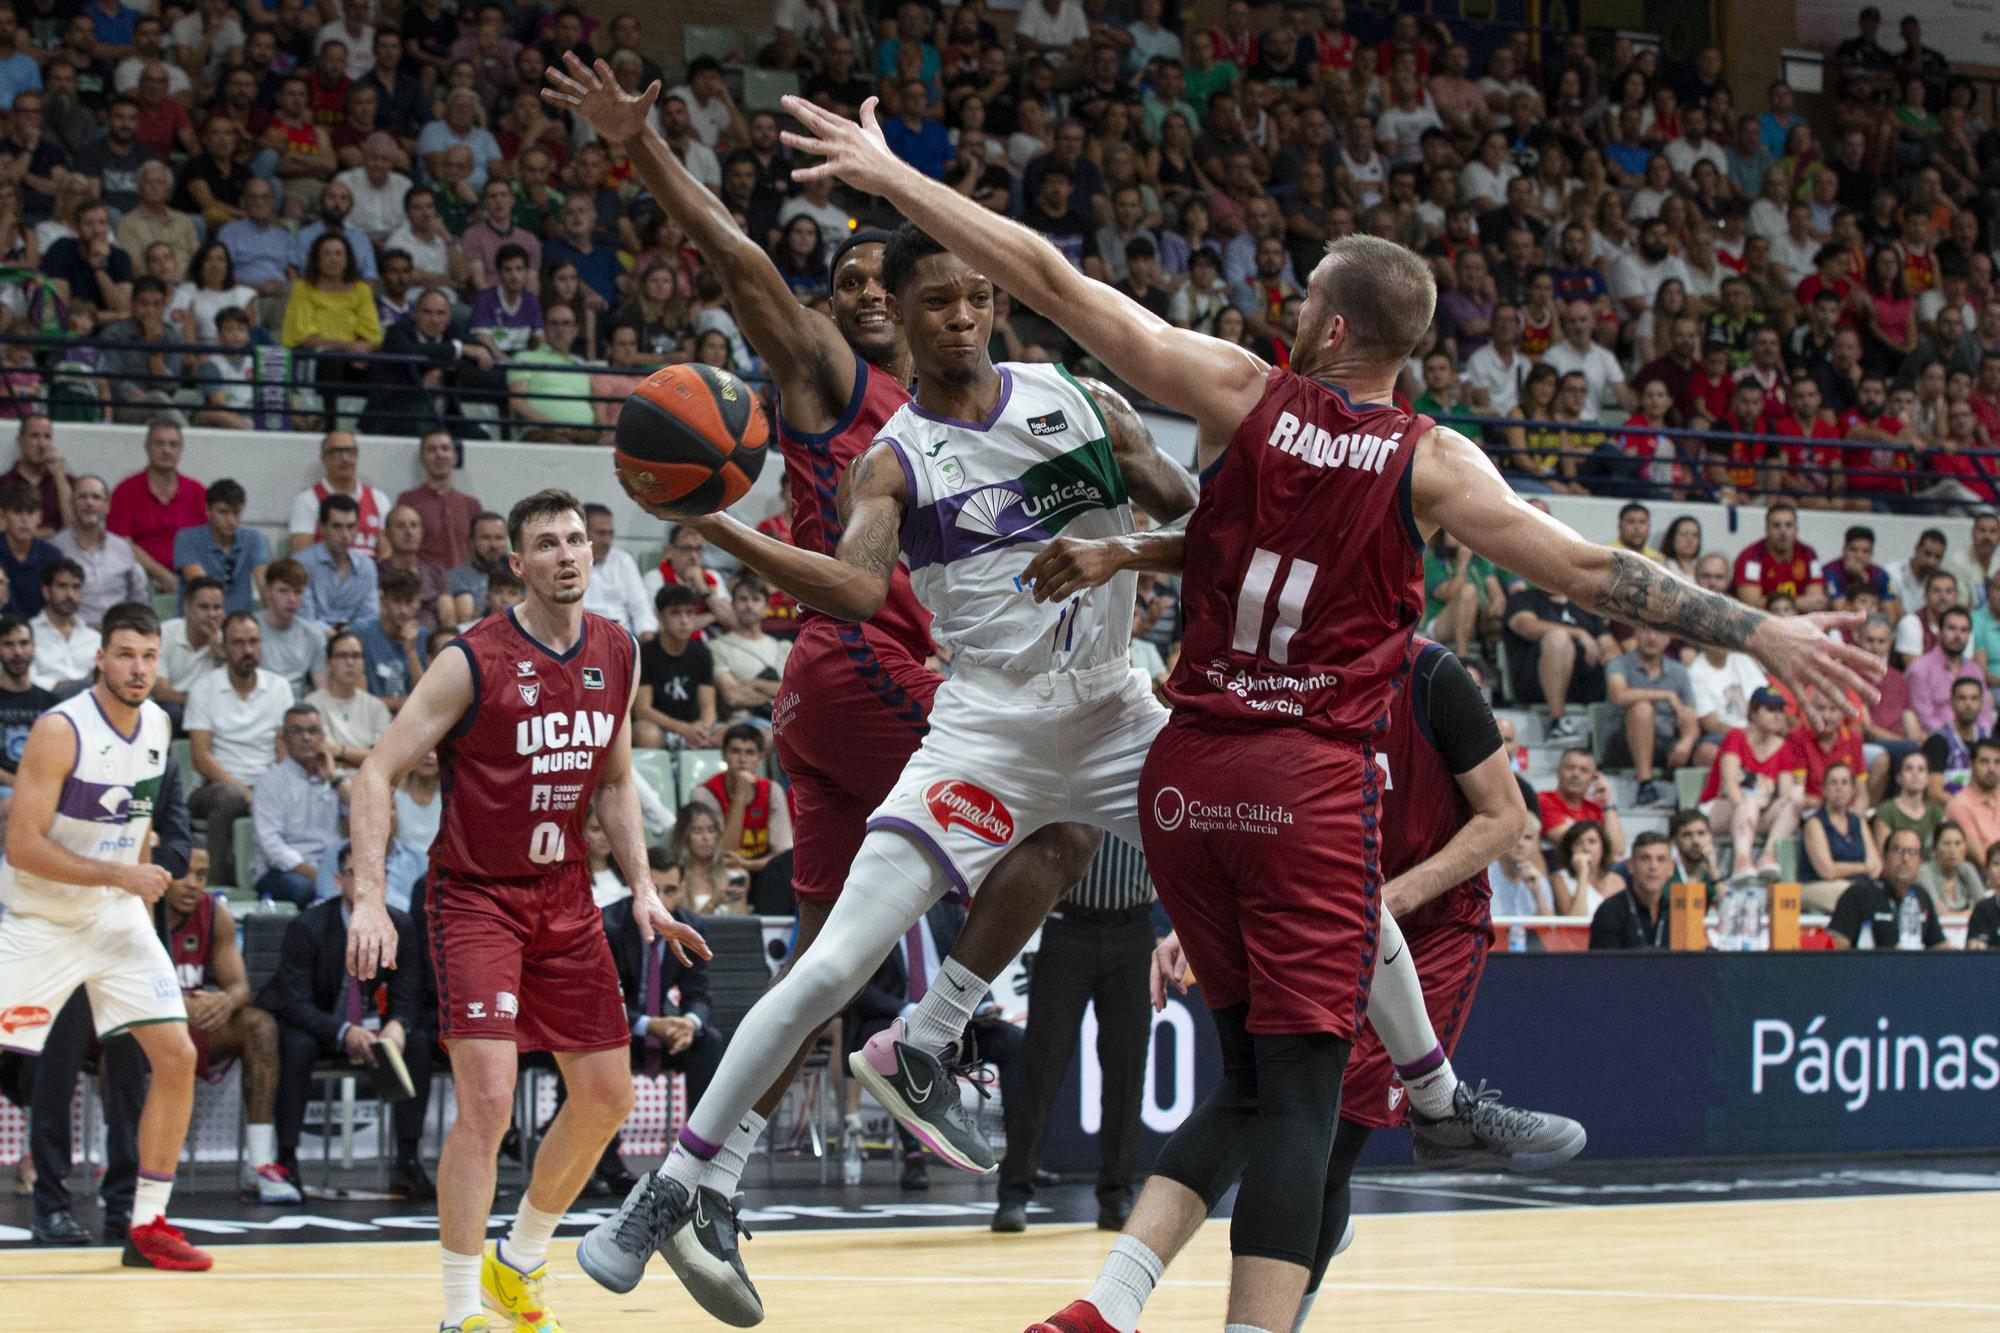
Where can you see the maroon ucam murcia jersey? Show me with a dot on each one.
(521, 766)
(1304, 576)
(1439, 728)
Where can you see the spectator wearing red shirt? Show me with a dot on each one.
(1678, 366)
(1952, 462)
(1814, 468)
(1781, 563)
(1873, 437)
(164, 126)
(327, 86)
(1754, 786)
(1403, 37)
(1985, 397)
(149, 507)
(1581, 792)
(1833, 270)
(1745, 456)
(1712, 387)
(1333, 45)
(1234, 41)
(1828, 738)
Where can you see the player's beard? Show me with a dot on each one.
(129, 695)
(565, 596)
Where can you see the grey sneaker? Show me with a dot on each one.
(1483, 1132)
(616, 1250)
(1651, 793)
(700, 1246)
(915, 1087)
(1568, 728)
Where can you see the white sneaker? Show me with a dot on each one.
(269, 1184)
(1568, 728)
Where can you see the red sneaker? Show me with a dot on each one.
(1076, 1317)
(158, 1244)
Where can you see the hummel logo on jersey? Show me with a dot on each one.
(1052, 424)
(524, 668)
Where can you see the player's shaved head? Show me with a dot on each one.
(1383, 294)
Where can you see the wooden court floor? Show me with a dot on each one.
(1856, 1263)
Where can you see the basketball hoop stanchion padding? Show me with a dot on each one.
(1687, 916)
(1784, 917)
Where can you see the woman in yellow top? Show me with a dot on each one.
(330, 311)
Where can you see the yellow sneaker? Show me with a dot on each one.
(473, 1324)
(506, 1290)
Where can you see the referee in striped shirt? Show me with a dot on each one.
(1097, 945)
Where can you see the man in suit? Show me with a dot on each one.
(666, 1006)
(56, 1068)
(405, 397)
(324, 1012)
(894, 991)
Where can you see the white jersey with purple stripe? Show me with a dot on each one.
(104, 812)
(985, 497)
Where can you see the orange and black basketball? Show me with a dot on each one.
(690, 440)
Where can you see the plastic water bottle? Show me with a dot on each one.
(850, 1158)
(1517, 938)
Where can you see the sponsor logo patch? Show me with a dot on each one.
(506, 1006)
(19, 1016)
(1395, 1095)
(593, 679)
(529, 693)
(1052, 424)
(956, 803)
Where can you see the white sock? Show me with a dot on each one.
(726, 1169)
(1243, 1328)
(1431, 1090)
(1396, 1012)
(941, 1016)
(461, 1288)
(149, 1202)
(683, 1168)
(260, 1145)
(1305, 1308)
(527, 1242)
(1128, 1277)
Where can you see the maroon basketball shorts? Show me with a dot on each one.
(1449, 961)
(1262, 845)
(525, 961)
(853, 709)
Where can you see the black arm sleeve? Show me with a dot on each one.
(1456, 713)
(170, 821)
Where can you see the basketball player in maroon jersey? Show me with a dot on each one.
(856, 697)
(1449, 803)
(1303, 586)
(530, 720)
(200, 935)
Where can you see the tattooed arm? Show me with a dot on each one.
(1162, 488)
(852, 582)
(1457, 489)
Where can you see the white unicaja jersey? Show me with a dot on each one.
(985, 497)
(104, 811)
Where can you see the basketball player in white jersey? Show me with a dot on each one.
(1043, 721)
(79, 889)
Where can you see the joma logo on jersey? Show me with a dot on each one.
(557, 731)
(1312, 444)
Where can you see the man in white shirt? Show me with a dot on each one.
(1973, 565)
(110, 572)
(678, 129)
(1150, 41)
(616, 589)
(1482, 182)
(1792, 250)
(1494, 374)
(341, 457)
(189, 644)
(710, 109)
(65, 647)
(294, 646)
(377, 188)
(1636, 280)
(1909, 579)
(815, 200)
(748, 662)
(1694, 146)
(1580, 353)
(1053, 29)
(233, 719)
(353, 31)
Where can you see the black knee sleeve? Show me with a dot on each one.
(1206, 1154)
(1279, 1208)
(1348, 1141)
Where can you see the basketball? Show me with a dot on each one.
(691, 440)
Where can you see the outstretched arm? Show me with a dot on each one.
(803, 348)
(1454, 487)
(1158, 485)
(854, 580)
(1215, 382)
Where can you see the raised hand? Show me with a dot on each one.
(616, 115)
(855, 153)
(1800, 651)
